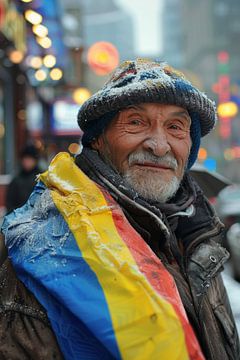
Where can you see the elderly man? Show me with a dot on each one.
(115, 254)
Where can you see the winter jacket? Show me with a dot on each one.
(186, 241)
(20, 188)
(25, 331)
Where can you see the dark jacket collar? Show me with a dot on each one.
(92, 164)
(150, 217)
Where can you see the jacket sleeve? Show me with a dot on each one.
(25, 332)
(217, 331)
(220, 304)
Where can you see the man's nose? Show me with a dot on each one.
(157, 143)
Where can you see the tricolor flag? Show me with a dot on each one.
(106, 293)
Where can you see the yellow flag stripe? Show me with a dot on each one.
(146, 325)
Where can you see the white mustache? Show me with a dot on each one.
(143, 157)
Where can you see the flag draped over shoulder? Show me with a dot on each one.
(107, 295)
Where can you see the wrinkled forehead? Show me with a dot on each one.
(165, 109)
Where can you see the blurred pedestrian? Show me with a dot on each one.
(22, 184)
(116, 254)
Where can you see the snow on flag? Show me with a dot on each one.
(107, 295)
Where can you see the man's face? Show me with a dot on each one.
(149, 145)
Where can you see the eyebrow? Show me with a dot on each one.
(183, 113)
(135, 107)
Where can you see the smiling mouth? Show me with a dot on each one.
(154, 166)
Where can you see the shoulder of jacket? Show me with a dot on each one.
(15, 297)
(205, 263)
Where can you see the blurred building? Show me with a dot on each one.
(85, 23)
(207, 28)
(172, 33)
(32, 56)
(202, 38)
(188, 38)
(88, 22)
(105, 21)
(45, 74)
(211, 33)
(12, 89)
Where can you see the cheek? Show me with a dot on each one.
(181, 150)
(120, 137)
(120, 150)
(116, 149)
(121, 145)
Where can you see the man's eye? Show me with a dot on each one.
(135, 125)
(178, 129)
(175, 127)
(135, 122)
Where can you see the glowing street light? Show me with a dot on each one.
(40, 30)
(33, 17)
(80, 95)
(40, 75)
(49, 61)
(35, 62)
(202, 154)
(56, 74)
(102, 57)
(16, 56)
(44, 42)
(227, 109)
(74, 148)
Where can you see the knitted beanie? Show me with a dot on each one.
(146, 81)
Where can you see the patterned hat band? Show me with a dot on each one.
(144, 81)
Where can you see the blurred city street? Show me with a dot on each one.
(55, 57)
(54, 54)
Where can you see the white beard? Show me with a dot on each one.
(149, 184)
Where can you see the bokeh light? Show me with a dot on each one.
(44, 42)
(16, 56)
(56, 74)
(202, 154)
(35, 62)
(40, 30)
(74, 148)
(49, 60)
(103, 57)
(33, 17)
(80, 95)
(227, 109)
(40, 75)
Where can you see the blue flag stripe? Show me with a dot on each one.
(68, 289)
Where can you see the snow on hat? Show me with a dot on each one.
(146, 81)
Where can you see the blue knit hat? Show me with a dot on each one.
(146, 81)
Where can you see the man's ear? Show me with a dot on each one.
(97, 144)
